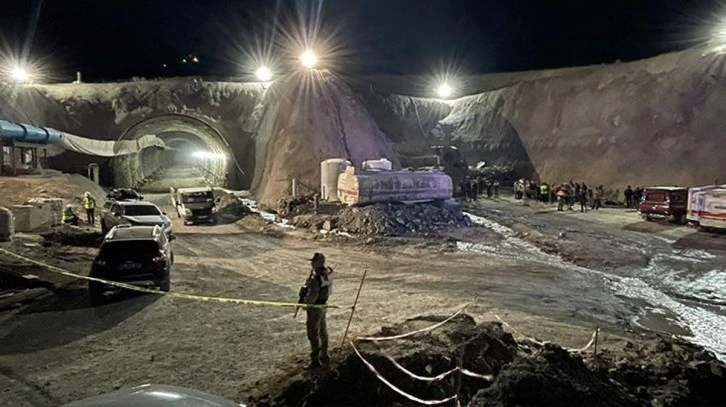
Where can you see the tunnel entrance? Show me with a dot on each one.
(195, 155)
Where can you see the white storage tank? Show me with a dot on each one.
(329, 171)
(380, 164)
(7, 225)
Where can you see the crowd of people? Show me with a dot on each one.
(566, 195)
(474, 187)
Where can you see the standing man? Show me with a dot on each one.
(597, 201)
(318, 288)
(89, 204)
(628, 197)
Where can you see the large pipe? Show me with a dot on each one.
(28, 134)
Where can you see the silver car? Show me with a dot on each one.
(136, 213)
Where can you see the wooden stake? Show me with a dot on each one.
(352, 311)
(597, 331)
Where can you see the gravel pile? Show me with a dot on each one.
(400, 220)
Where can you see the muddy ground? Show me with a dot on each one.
(59, 349)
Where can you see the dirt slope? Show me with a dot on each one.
(655, 121)
(317, 117)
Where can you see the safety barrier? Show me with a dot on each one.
(459, 369)
(414, 376)
(194, 297)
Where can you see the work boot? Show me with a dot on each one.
(325, 358)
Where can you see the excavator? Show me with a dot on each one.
(448, 159)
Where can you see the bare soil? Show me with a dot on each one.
(60, 349)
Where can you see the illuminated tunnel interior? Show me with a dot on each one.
(195, 155)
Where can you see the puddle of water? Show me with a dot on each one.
(706, 328)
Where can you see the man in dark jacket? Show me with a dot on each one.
(628, 197)
(318, 288)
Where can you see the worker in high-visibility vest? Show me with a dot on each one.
(69, 216)
(544, 192)
(89, 204)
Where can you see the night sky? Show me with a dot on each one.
(115, 39)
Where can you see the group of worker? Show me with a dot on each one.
(633, 196)
(89, 205)
(473, 187)
(566, 195)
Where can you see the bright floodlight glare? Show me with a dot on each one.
(264, 74)
(208, 155)
(444, 91)
(19, 74)
(308, 59)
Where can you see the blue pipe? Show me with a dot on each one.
(28, 134)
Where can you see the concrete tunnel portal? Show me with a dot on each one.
(196, 154)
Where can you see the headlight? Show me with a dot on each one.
(100, 262)
(187, 212)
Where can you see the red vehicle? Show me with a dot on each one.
(664, 203)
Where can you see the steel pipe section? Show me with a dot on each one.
(28, 134)
(189, 141)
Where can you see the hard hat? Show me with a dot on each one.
(69, 206)
(87, 193)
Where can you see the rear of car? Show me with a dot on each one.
(134, 255)
(136, 214)
(664, 203)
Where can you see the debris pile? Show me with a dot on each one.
(400, 220)
(232, 208)
(484, 366)
(291, 206)
(73, 236)
(667, 372)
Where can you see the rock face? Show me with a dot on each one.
(315, 116)
(655, 121)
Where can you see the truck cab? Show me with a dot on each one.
(195, 205)
(664, 203)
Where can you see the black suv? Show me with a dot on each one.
(132, 254)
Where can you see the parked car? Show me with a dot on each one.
(137, 213)
(132, 254)
(155, 395)
(195, 204)
(664, 203)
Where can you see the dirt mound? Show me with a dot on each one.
(662, 372)
(232, 208)
(551, 377)
(667, 372)
(401, 220)
(73, 236)
(52, 184)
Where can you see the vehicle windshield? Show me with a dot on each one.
(197, 197)
(129, 249)
(655, 196)
(141, 210)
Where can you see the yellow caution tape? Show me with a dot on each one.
(195, 297)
